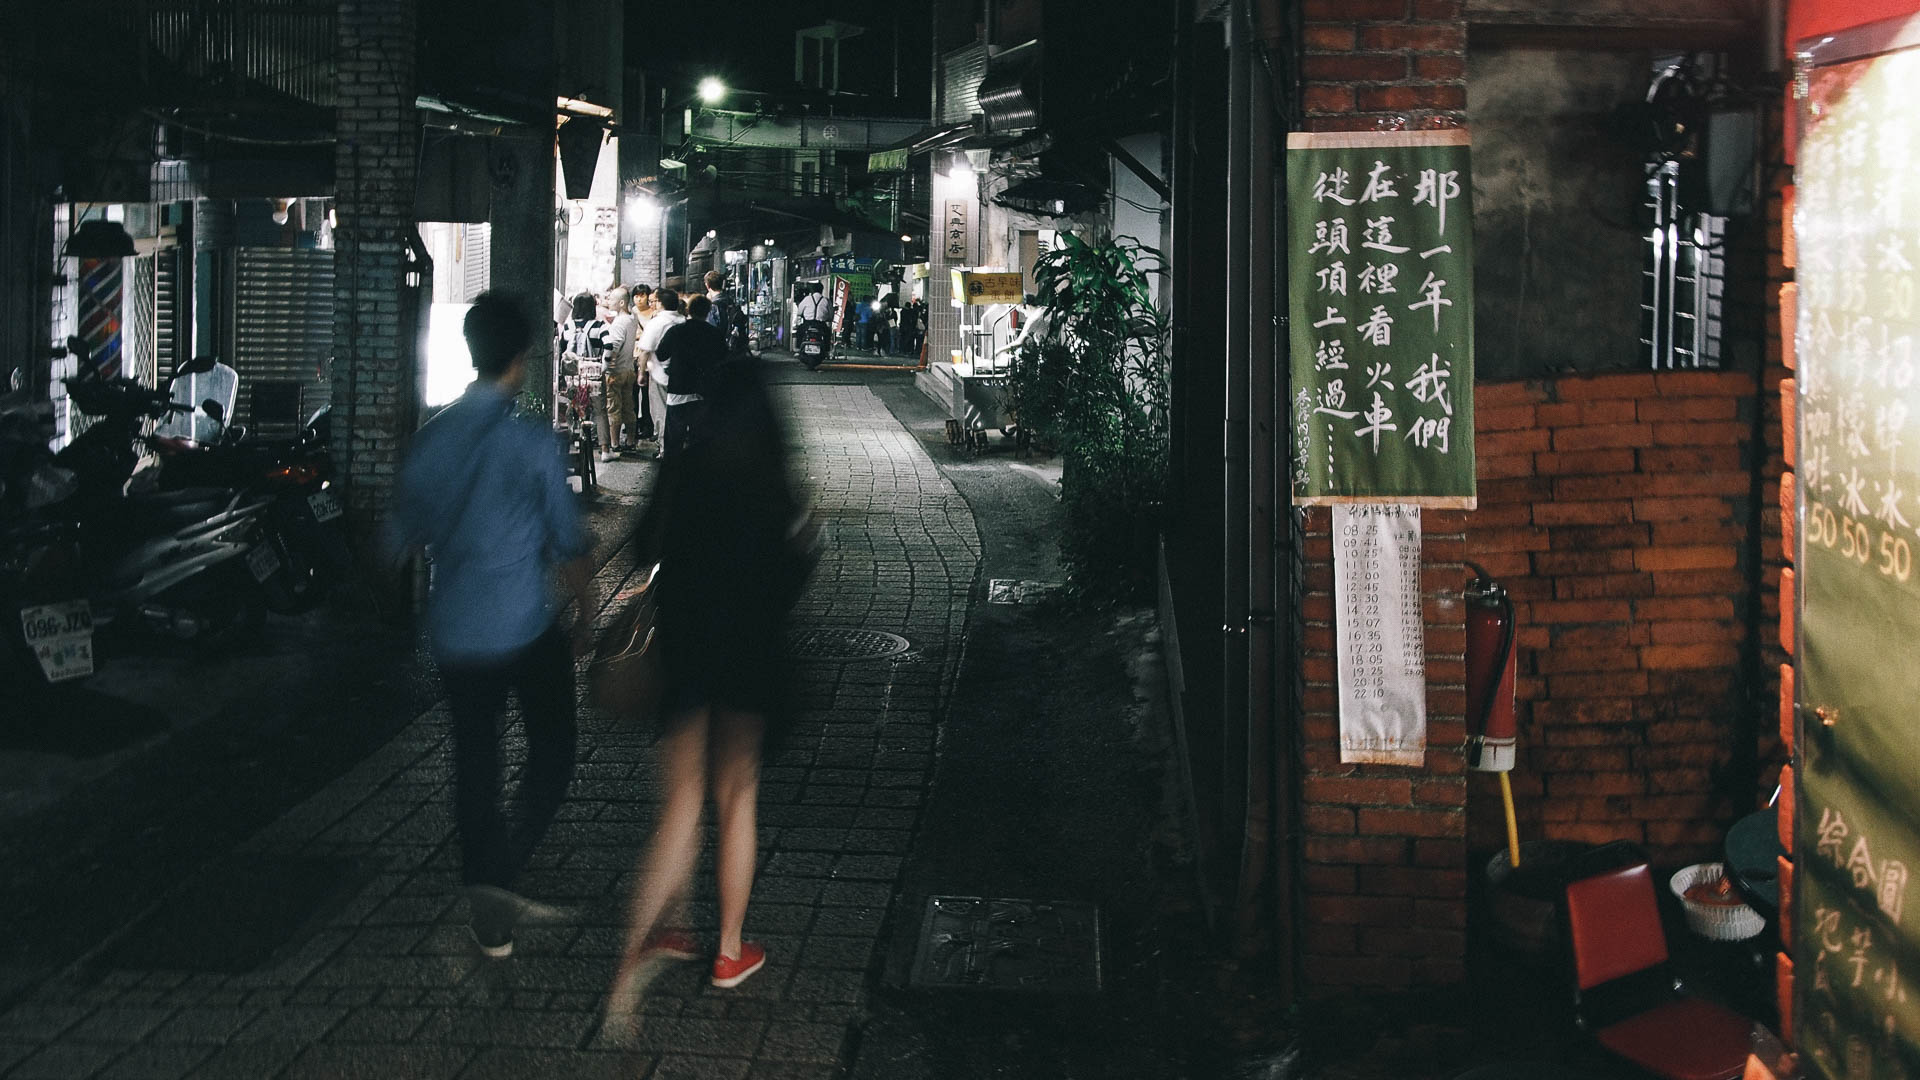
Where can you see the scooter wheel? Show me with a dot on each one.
(297, 587)
(228, 605)
(294, 589)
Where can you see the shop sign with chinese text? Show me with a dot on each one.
(1856, 948)
(954, 228)
(1380, 287)
(978, 287)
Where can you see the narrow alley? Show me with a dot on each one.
(365, 968)
(1195, 539)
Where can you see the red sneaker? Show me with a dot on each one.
(729, 972)
(672, 945)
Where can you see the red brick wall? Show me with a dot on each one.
(1385, 847)
(1616, 509)
(1383, 64)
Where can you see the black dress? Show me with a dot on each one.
(723, 510)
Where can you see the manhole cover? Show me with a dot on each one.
(842, 643)
(978, 943)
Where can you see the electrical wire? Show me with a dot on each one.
(244, 140)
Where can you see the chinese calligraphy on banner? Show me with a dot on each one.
(1380, 286)
(1381, 646)
(1857, 234)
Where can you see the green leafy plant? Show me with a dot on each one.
(1094, 383)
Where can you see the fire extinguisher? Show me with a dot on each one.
(1492, 733)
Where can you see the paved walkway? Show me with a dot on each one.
(381, 981)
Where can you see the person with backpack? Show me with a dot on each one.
(583, 344)
(725, 313)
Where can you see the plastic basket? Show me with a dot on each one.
(1716, 922)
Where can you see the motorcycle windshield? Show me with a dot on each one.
(222, 384)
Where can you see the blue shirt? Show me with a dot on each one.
(486, 492)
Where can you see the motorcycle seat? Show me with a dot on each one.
(182, 496)
(168, 510)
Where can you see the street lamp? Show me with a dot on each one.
(712, 91)
(643, 211)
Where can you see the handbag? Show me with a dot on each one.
(626, 675)
(805, 542)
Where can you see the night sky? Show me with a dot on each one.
(750, 45)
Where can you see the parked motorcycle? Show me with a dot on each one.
(813, 344)
(307, 527)
(175, 562)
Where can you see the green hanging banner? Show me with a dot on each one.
(1380, 294)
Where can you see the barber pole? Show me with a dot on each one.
(101, 282)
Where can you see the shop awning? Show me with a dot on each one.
(937, 137)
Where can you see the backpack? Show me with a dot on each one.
(583, 348)
(726, 315)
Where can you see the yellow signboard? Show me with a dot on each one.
(972, 287)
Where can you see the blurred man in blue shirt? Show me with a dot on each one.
(485, 492)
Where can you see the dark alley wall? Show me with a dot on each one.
(1555, 210)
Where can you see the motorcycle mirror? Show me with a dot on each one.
(199, 365)
(214, 409)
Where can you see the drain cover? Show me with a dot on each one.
(844, 643)
(1000, 944)
(1012, 591)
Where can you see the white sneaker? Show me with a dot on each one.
(493, 913)
(605, 456)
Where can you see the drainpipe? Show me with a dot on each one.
(1234, 759)
(1773, 36)
(1275, 111)
(1264, 709)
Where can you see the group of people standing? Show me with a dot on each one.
(612, 342)
(887, 326)
(483, 491)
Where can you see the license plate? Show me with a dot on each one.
(262, 561)
(61, 637)
(325, 507)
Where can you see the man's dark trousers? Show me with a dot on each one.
(541, 677)
(683, 421)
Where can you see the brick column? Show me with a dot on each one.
(1385, 847)
(374, 166)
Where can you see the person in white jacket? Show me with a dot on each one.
(670, 315)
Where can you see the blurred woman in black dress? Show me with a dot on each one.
(722, 516)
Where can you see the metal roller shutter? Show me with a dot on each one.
(962, 70)
(283, 336)
(138, 345)
(166, 309)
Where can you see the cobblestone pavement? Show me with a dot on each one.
(380, 980)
